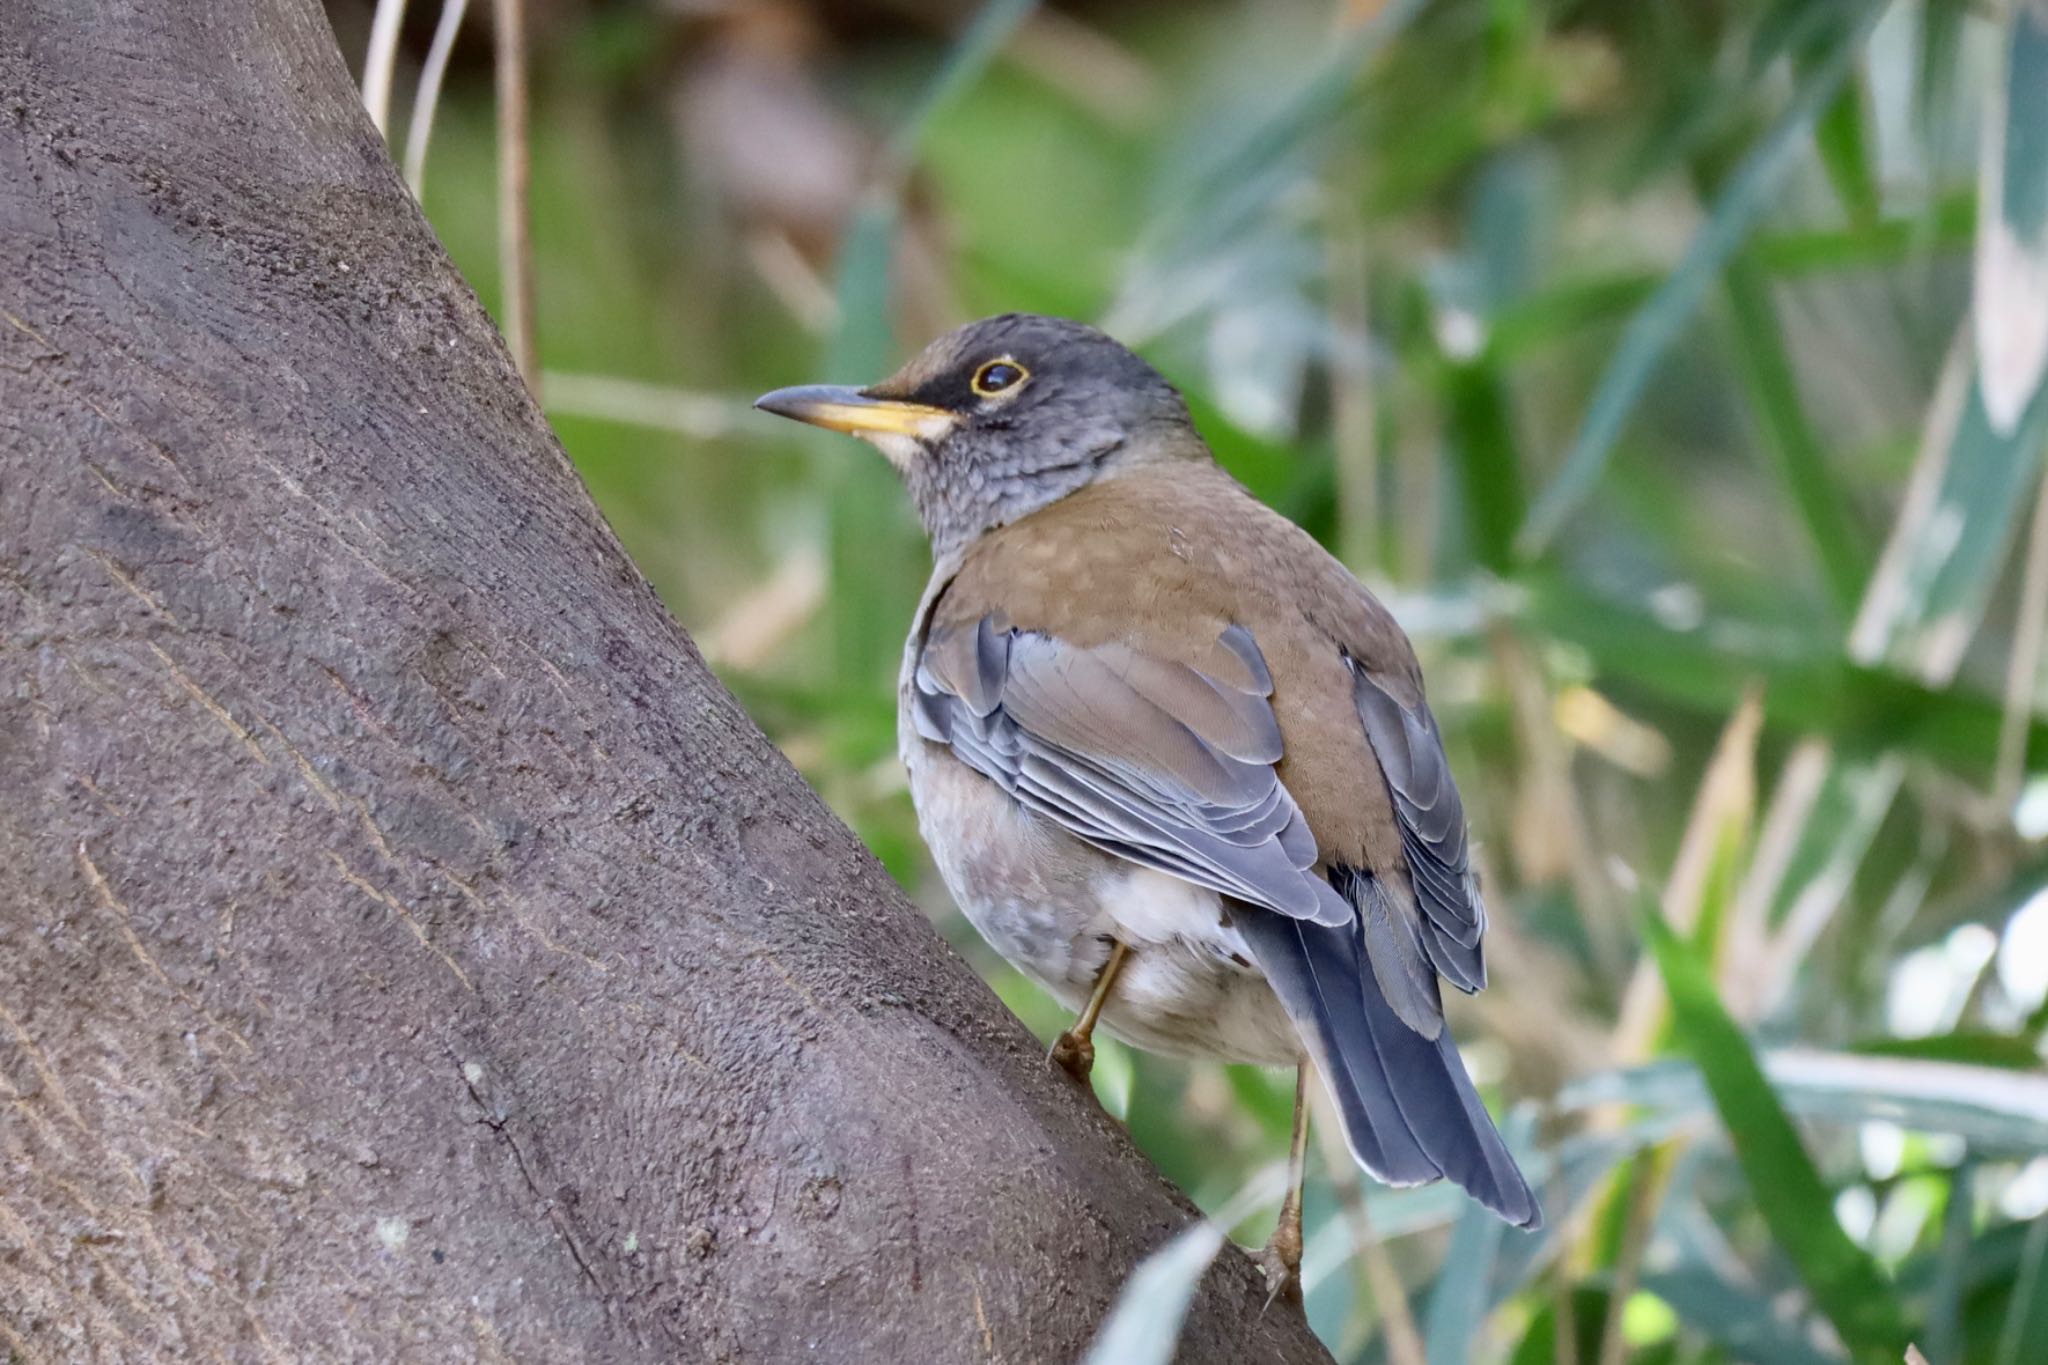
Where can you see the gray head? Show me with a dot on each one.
(1001, 417)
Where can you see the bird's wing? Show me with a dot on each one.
(1431, 820)
(1165, 763)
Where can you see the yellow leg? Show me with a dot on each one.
(1281, 1260)
(1074, 1050)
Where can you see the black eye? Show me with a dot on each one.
(998, 375)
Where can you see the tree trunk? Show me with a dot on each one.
(410, 951)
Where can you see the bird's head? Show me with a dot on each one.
(1002, 417)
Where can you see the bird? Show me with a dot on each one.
(1172, 760)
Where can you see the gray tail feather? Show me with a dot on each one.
(1409, 1110)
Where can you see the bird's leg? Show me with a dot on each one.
(1074, 1050)
(1281, 1259)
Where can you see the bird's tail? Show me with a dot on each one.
(1409, 1110)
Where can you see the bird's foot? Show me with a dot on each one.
(1075, 1054)
(1280, 1259)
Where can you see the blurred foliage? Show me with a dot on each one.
(1629, 351)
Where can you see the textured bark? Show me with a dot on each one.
(410, 951)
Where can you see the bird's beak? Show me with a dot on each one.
(858, 413)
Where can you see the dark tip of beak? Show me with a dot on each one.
(800, 400)
(839, 407)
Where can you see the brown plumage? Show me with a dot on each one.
(1164, 559)
(1171, 758)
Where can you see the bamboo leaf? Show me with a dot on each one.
(1844, 1282)
(1844, 144)
(2011, 295)
(1749, 191)
(1992, 1108)
(1940, 49)
(1961, 513)
(1143, 1327)
(1481, 437)
(1945, 1310)
(1808, 687)
(1970, 1047)
(1768, 374)
(2024, 1338)
(1824, 815)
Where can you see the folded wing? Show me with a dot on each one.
(1167, 764)
(1432, 824)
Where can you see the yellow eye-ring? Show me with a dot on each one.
(997, 375)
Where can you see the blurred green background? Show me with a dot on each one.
(1673, 370)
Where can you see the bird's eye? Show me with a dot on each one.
(998, 375)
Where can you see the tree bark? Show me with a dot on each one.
(410, 951)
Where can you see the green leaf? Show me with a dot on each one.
(1844, 144)
(1796, 449)
(1797, 1206)
(1990, 1260)
(871, 537)
(1597, 300)
(1945, 1308)
(1808, 686)
(1949, 221)
(2024, 1338)
(1940, 49)
(1588, 1307)
(1748, 193)
(1971, 1047)
(1481, 434)
(1835, 819)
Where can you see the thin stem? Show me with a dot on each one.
(427, 99)
(1651, 1171)
(515, 234)
(381, 60)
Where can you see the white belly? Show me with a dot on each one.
(1053, 905)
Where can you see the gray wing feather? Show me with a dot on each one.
(1396, 944)
(1166, 765)
(1432, 821)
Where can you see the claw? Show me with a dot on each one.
(1074, 1053)
(1280, 1260)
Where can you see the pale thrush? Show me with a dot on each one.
(1172, 759)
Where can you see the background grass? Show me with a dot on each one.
(1673, 370)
